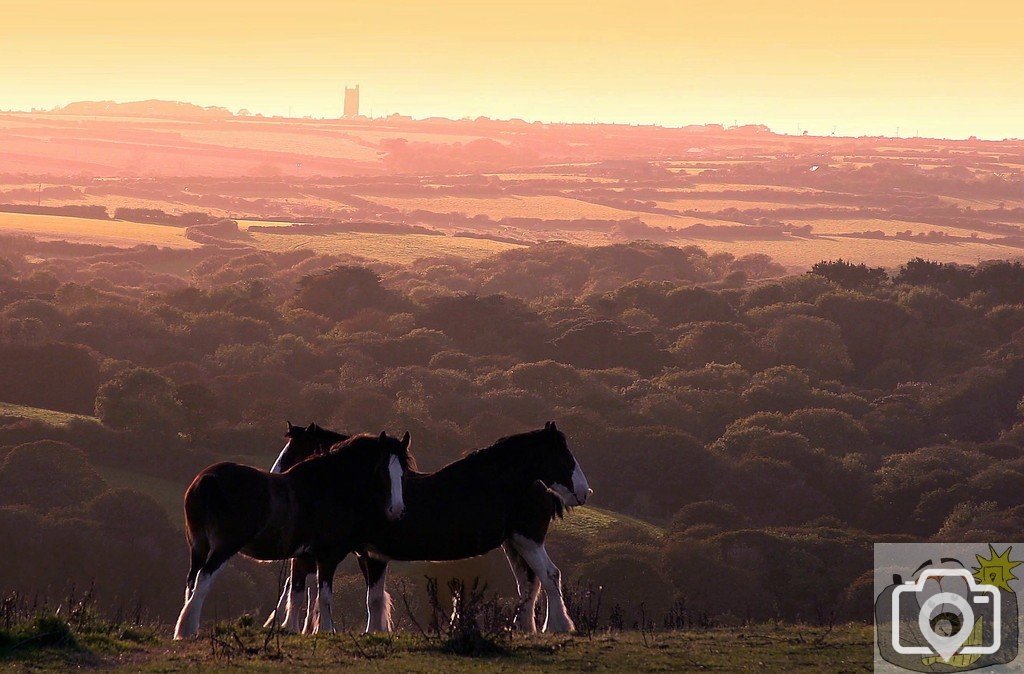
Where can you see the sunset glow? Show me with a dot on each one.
(946, 69)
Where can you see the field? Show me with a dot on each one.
(867, 200)
(738, 191)
(393, 248)
(49, 417)
(100, 232)
(797, 253)
(832, 239)
(778, 648)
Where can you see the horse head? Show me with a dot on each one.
(303, 443)
(386, 457)
(559, 468)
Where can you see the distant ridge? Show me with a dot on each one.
(150, 108)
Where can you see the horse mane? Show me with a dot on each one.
(334, 437)
(407, 459)
(502, 445)
(347, 440)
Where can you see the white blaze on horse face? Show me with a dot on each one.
(280, 459)
(396, 504)
(576, 493)
(580, 486)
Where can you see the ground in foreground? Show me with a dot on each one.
(774, 648)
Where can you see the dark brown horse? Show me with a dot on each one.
(301, 444)
(504, 495)
(317, 509)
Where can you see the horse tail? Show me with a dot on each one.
(203, 497)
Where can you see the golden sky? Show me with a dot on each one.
(939, 68)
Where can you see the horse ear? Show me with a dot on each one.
(311, 427)
(383, 436)
(405, 440)
(550, 426)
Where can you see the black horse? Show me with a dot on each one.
(302, 443)
(317, 509)
(504, 495)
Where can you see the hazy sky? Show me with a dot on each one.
(940, 68)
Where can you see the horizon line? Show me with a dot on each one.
(362, 117)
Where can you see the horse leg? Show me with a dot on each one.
(188, 620)
(536, 557)
(311, 608)
(378, 601)
(528, 586)
(300, 586)
(285, 591)
(324, 593)
(198, 551)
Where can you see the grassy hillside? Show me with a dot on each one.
(50, 417)
(100, 232)
(580, 524)
(781, 648)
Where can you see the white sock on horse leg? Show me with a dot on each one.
(528, 590)
(323, 623)
(527, 619)
(550, 577)
(281, 602)
(293, 613)
(188, 620)
(378, 607)
(311, 608)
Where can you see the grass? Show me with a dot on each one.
(593, 522)
(314, 142)
(543, 207)
(395, 248)
(168, 493)
(50, 417)
(889, 227)
(101, 232)
(50, 643)
(540, 207)
(773, 648)
(797, 253)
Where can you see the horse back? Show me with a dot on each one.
(233, 505)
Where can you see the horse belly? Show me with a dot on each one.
(270, 548)
(441, 542)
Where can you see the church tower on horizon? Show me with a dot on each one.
(351, 101)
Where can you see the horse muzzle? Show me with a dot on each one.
(581, 498)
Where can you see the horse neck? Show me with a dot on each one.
(328, 439)
(511, 464)
(336, 469)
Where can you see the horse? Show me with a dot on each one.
(302, 443)
(314, 509)
(504, 495)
